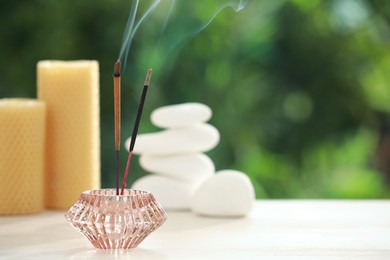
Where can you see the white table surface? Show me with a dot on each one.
(275, 229)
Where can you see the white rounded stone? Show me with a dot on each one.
(188, 167)
(180, 115)
(170, 193)
(228, 193)
(194, 139)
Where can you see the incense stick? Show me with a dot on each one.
(117, 118)
(135, 129)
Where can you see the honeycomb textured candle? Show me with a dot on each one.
(71, 92)
(22, 132)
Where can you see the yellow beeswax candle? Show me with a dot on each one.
(22, 144)
(71, 92)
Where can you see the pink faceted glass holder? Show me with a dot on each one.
(113, 221)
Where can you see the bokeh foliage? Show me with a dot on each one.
(300, 89)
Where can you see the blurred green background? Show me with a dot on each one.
(300, 89)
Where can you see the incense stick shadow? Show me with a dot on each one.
(135, 253)
(180, 221)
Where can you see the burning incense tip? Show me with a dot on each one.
(148, 75)
(117, 68)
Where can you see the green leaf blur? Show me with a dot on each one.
(300, 89)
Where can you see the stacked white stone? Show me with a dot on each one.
(175, 156)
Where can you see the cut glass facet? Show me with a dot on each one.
(113, 221)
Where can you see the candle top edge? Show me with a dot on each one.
(70, 63)
(20, 102)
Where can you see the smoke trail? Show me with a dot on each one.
(147, 13)
(128, 29)
(178, 23)
(237, 6)
(129, 33)
(181, 24)
(170, 10)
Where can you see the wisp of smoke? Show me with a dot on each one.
(179, 21)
